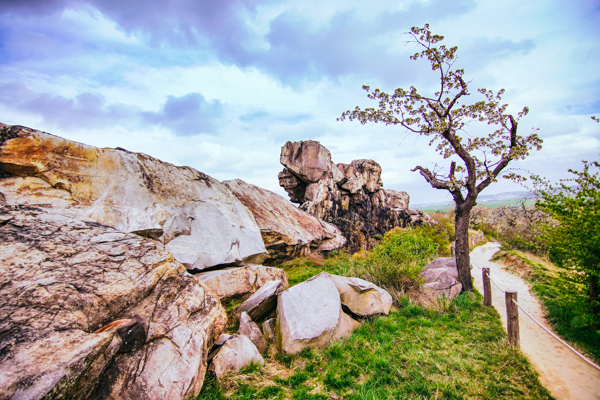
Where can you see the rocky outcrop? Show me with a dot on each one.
(87, 311)
(349, 196)
(240, 281)
(440, 278)
(195, 216)
(287, 231)
(310, 315)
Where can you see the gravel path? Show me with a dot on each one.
(564, 374)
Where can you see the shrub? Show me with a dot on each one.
(395, 264)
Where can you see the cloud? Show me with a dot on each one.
(187, 115)
(86, 110)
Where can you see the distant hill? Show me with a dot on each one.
(491, 200)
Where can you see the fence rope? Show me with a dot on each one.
(584, 358)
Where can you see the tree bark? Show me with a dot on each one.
(463, 259)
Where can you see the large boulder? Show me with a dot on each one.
(236, 353)
(310, 315)
(287, 231)
(240, 281)
(350, 196)
(198, 219)
(440, 278)
(87, 311)
(362, 298)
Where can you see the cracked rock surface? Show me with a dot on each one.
(195, 216)
(87, 311)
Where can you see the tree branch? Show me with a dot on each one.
(431, 178)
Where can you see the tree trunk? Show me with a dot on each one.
(463, 259)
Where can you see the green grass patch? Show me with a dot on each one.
(563, 298)
(414, 353)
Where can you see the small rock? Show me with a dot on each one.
(441, 276)
(249, 329)
(268, 328)
(362, 298)
(261, 303)
(237, 352)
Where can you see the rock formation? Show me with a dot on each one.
(87, 311)
(195, 216)
(349, 196)
(287, 231)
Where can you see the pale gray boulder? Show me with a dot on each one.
(239, 281)
(236, 353)
(310, 315)
(249, 329)
(440, 278)
(262, 302)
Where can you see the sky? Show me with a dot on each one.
(222, 85)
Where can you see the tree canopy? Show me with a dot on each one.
(574, 241)
(444, 117)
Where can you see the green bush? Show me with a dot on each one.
(394, 264)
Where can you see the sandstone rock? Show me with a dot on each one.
(223, 337)
(287, 231)
(310, 315)
(198, 219)
(362, 298)
(308, 160)
(90, 312)
(249, 329)
(238, 281)
(269, 328)
(262, 302)
(237, 353)
(441, 277)
(349, 196)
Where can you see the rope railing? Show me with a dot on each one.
(512, 317)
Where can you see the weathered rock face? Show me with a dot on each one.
(349, 196)
(239, 281)
(198, 219)
(441, 277)
(310, 315)
(287, 231)
(86, 310)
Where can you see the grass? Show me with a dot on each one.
(414, 353)
(563, 299)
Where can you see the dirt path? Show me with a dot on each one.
(564, 374)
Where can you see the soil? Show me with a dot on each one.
(563, 373)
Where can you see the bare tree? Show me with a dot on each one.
(443, 117)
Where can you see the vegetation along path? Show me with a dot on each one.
(563, 373)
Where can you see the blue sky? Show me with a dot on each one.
(222, 85)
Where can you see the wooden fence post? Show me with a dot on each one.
(512, 318)
(487, 288)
